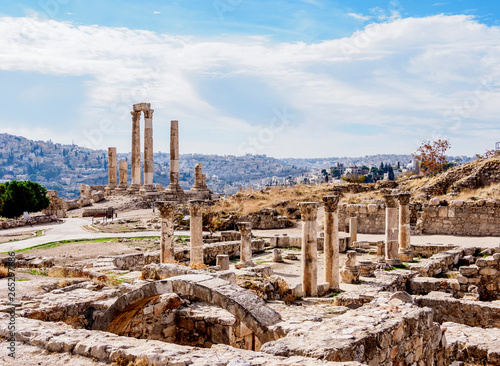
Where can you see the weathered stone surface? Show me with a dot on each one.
(472, 344)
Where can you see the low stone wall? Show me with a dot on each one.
(108, 347)
(481, 218)
(285, 241)
(465, 218)
(428, 250)
(471, 345)
(483, 277)
(468, 312)
(136, 261)
(371, 217)
(381, 333)
(438, 263)
(35, 220)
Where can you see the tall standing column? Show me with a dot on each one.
(167, 211)
(308, 211)
(405, 252)
(332, 242)
(112, 167)
(136, 151)
(196, 231)
(245, 229)
(123, 173)
(174, 157)
(391, 230)
(148, 150)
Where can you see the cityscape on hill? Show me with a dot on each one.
(64, 167)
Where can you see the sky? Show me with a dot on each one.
(296, 78)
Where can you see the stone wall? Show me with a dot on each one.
(371, 217)
(383, 333)
(43, 219)
(469, 312)
(464, 218)
(481, 218)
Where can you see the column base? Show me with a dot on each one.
(121, 188)
(108, 190)
(406, 256)
(134, 188)
(394, 262)
(350, 275)
(174, 188)
(147, 188)
(244, 264)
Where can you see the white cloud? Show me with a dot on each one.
(381, 90)
(359, 16)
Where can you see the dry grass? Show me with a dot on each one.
(198, 265)
(4, 272)
(489, 192)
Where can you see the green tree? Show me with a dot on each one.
(18, 197)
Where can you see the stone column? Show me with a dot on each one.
(136, 151)
(245, 229)
(391, 230)
(353, 229)
(332, 242)
(167, 211)
(123, 169)
(405, 253)
(148, 150)
(308, 211)
(174, 157)
(112, 167)
(198, 177)
(223, 261)
(196, 230)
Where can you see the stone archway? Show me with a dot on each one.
(243, 304)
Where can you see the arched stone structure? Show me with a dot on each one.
(243, 304)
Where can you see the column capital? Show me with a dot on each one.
(390, 201)
(196, 207)
(331, 203)
(309, 210)
(136, 115)
(148, 113)
(245, 228)
(404, 198)
(167, 209)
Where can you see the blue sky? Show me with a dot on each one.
(303, 78)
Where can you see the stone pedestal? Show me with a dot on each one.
(123, 169)
(111, 168)
(148, 151)
(331, 247)
(391, 230)
(223, 262)
(277, 258)
(245, 229)
(308, 211)
(405, 252)
(174, 158)
(167, 211)
(350, 273)
(136, 151)
(196, 231)
(353, 229)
